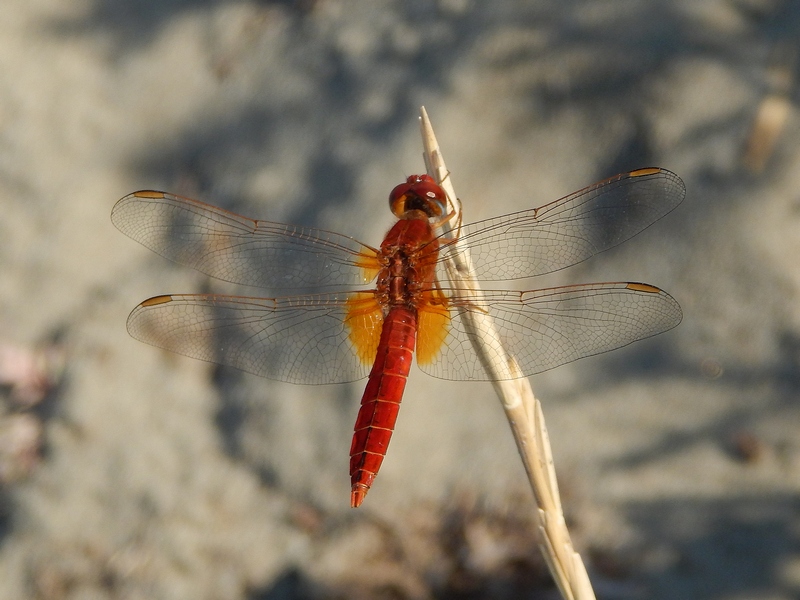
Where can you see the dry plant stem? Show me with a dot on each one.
(522, 408)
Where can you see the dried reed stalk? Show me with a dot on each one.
(522, 408)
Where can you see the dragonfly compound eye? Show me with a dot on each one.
(419, 192)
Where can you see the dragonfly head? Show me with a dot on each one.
(418, 193)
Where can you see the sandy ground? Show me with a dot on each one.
(161, 477)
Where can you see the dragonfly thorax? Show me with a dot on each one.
(408, 256)
(398, 282)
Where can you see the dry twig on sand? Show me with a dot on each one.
(522, 408)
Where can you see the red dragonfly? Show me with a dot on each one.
(333, 333)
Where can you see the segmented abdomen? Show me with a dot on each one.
(381, 399)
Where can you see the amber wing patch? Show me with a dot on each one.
(433, 325)
(364, 321)
(370, 266)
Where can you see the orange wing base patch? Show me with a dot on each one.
(364, 320)
(432, 328)
(370, 266)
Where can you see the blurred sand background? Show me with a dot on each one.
(147, 475)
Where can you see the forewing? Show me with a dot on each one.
(572, 229)
(543, 329)
(245, 251)
(301, 339)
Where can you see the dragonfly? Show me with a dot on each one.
(341, 310)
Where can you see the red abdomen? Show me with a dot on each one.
(381, 399)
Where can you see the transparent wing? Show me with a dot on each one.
(233, 248)
(546, 328)
(572, 229)
(301, 339)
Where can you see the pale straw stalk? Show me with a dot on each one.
(523, 410)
